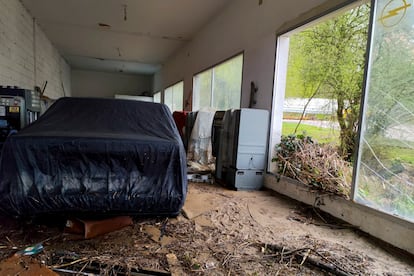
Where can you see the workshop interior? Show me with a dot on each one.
(144, 116)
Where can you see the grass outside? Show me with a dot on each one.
(393, 149)
(308, 116)
(320, 134)
(389, 147)
(403, 154)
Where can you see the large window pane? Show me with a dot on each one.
(227, 84)
(385, 167)
(173, 97)
(220, 86)
(318, 90)
(178, 97)
(168, 96)
(202, 87)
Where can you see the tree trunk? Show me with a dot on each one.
(347, 135)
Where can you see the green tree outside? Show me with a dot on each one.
(327, 61)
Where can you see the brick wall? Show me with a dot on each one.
(27, 57)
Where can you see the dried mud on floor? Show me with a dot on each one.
(220, 232)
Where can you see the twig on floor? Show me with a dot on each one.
(162, 230)
(307, 259)
(319, 215)
(84, 266)
(248, 209)
(73, 272)
(224, 195)
(10, 241)
(51, 238)
(226, 259)
(70, 263)
(305, 256)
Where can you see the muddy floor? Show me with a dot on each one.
(220, 232)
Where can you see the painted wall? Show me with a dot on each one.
(27, 57)
(243, 26)
(102, 84)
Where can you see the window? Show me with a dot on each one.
(220, 86)
(173, 97)
(318, 81)
(383, 176)
(157, 97)
(385, 167)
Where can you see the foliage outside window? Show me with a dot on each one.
(220, 86)
(318, 166)
(327, 62)
(385, 167)
(324, 79)
(173, 97)
(157, 97)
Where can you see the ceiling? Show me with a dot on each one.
(130, 36)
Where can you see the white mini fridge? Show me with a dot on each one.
(243, 148)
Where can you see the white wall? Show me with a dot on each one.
(242, 26)
(102, 84)
(27, 57)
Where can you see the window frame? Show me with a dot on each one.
(285, 32)
(241, 53)
(363, 118)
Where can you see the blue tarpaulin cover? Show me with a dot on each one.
(95, 156)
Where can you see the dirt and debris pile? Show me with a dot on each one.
(318, 166)
(222, 233)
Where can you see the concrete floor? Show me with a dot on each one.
(270, 218)
(219, 232)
